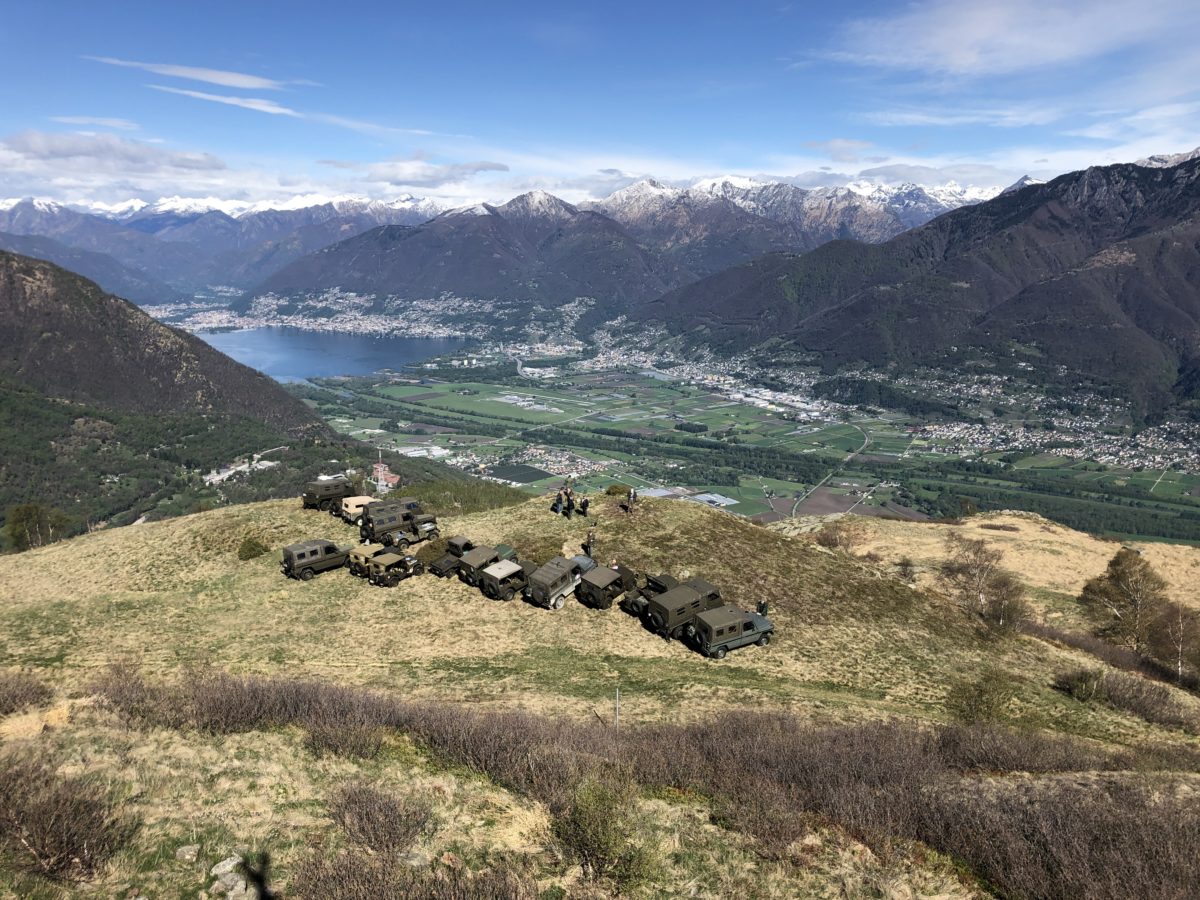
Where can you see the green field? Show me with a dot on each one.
(630, 428)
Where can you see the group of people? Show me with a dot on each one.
(565, 503)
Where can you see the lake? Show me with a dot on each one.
(293, 354)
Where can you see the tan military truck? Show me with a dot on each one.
(361, 556)
(352, 508)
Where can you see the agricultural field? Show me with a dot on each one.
(653, 433)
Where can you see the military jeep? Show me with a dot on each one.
(411, 531)
(550, 585)
(307, 558)
(726, 628)
(601, 587)
(634, 602)
(361, 556)
(671, 612)
(389, 569)
(456, 547)
(352, 508)
(326, 493)
(505, 579)
(476, 560)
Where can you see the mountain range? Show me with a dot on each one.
(1089, 276)
(180, 246)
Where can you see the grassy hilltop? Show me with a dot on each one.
(856, 646)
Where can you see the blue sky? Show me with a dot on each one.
(468, 101)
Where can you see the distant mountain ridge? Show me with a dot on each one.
(1095, 271)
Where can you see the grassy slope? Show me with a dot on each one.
(853, 644)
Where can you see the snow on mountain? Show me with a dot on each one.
(639, 200)
(538, 205)
(1167, 160)
(1023, 182)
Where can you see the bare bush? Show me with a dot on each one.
(123, 689)
(21, 690)
(842, 534)
(361, 876)
(377, 819)
(907, 569)
(1118, 657)
(62, 828)
(1152, 702)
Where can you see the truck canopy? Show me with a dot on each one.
(502, 569)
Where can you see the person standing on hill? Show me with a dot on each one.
(584, 503)
(570, 505)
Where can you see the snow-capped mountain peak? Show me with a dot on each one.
(1023, 182)
(1168, 160)
(538, 205)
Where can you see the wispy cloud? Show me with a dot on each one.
(257, 104)
(841, 149)
(1014, 116)
(420, 173)
(219, 77)
(97, 122)
(984, 37)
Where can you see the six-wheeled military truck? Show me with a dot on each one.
(717, 631)
(389, 569)
(307, 558)
(601, 587)
(505, 579)
(477, 559)
(550, 585)
(397, 524)
(352, 508)
(372, 513)
(326, 493)
(634, 602)
(670, 613)
(361, 556)
(448, 564)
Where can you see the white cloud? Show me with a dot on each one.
(982, 37)
(419, 173)
(97, 121)
(841, 149)
(191, 73)
(1014, 116)
(255, 103)
(104, 151)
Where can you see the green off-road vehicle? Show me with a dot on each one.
(634, 602)
(474, 561)
(389, 569)
(601, 587)
(402, 532)
(726, 628)
(550, 585)
(670, 613)
(326, 493)
(456, 548)
(361, 556)
(307, 558)
(505, 579)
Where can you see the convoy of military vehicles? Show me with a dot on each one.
(691, 611)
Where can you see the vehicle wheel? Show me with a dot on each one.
(386, 540)
(306, 575)
(359, 521)
(433, 535)
(402, 544)
(507, 594)
(558, 602)
(418, 569)
(719, 653)
(764, 640)
(324, 506)
(656, 623)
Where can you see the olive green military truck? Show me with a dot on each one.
(307, 558)
(326, 493)
(456, 548)
(671, 612)
(389, 569)
(474, 561)
(634, 602)
(399, 528)
(361, 556)
(550, 585)
(601, 587)
(505, 579)
(717, 631)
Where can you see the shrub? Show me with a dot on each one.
(355, 876)
(600, 831)
(432, 551)
(907, 569)
(377, 819)
(20, 690)
(360, 740)
(1118, 657)
(1083, 685)
(983, 700)
(617, 490)
(123, 689)
(251, 547)
(62, 828)
(841, 534)
(1129, 693)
